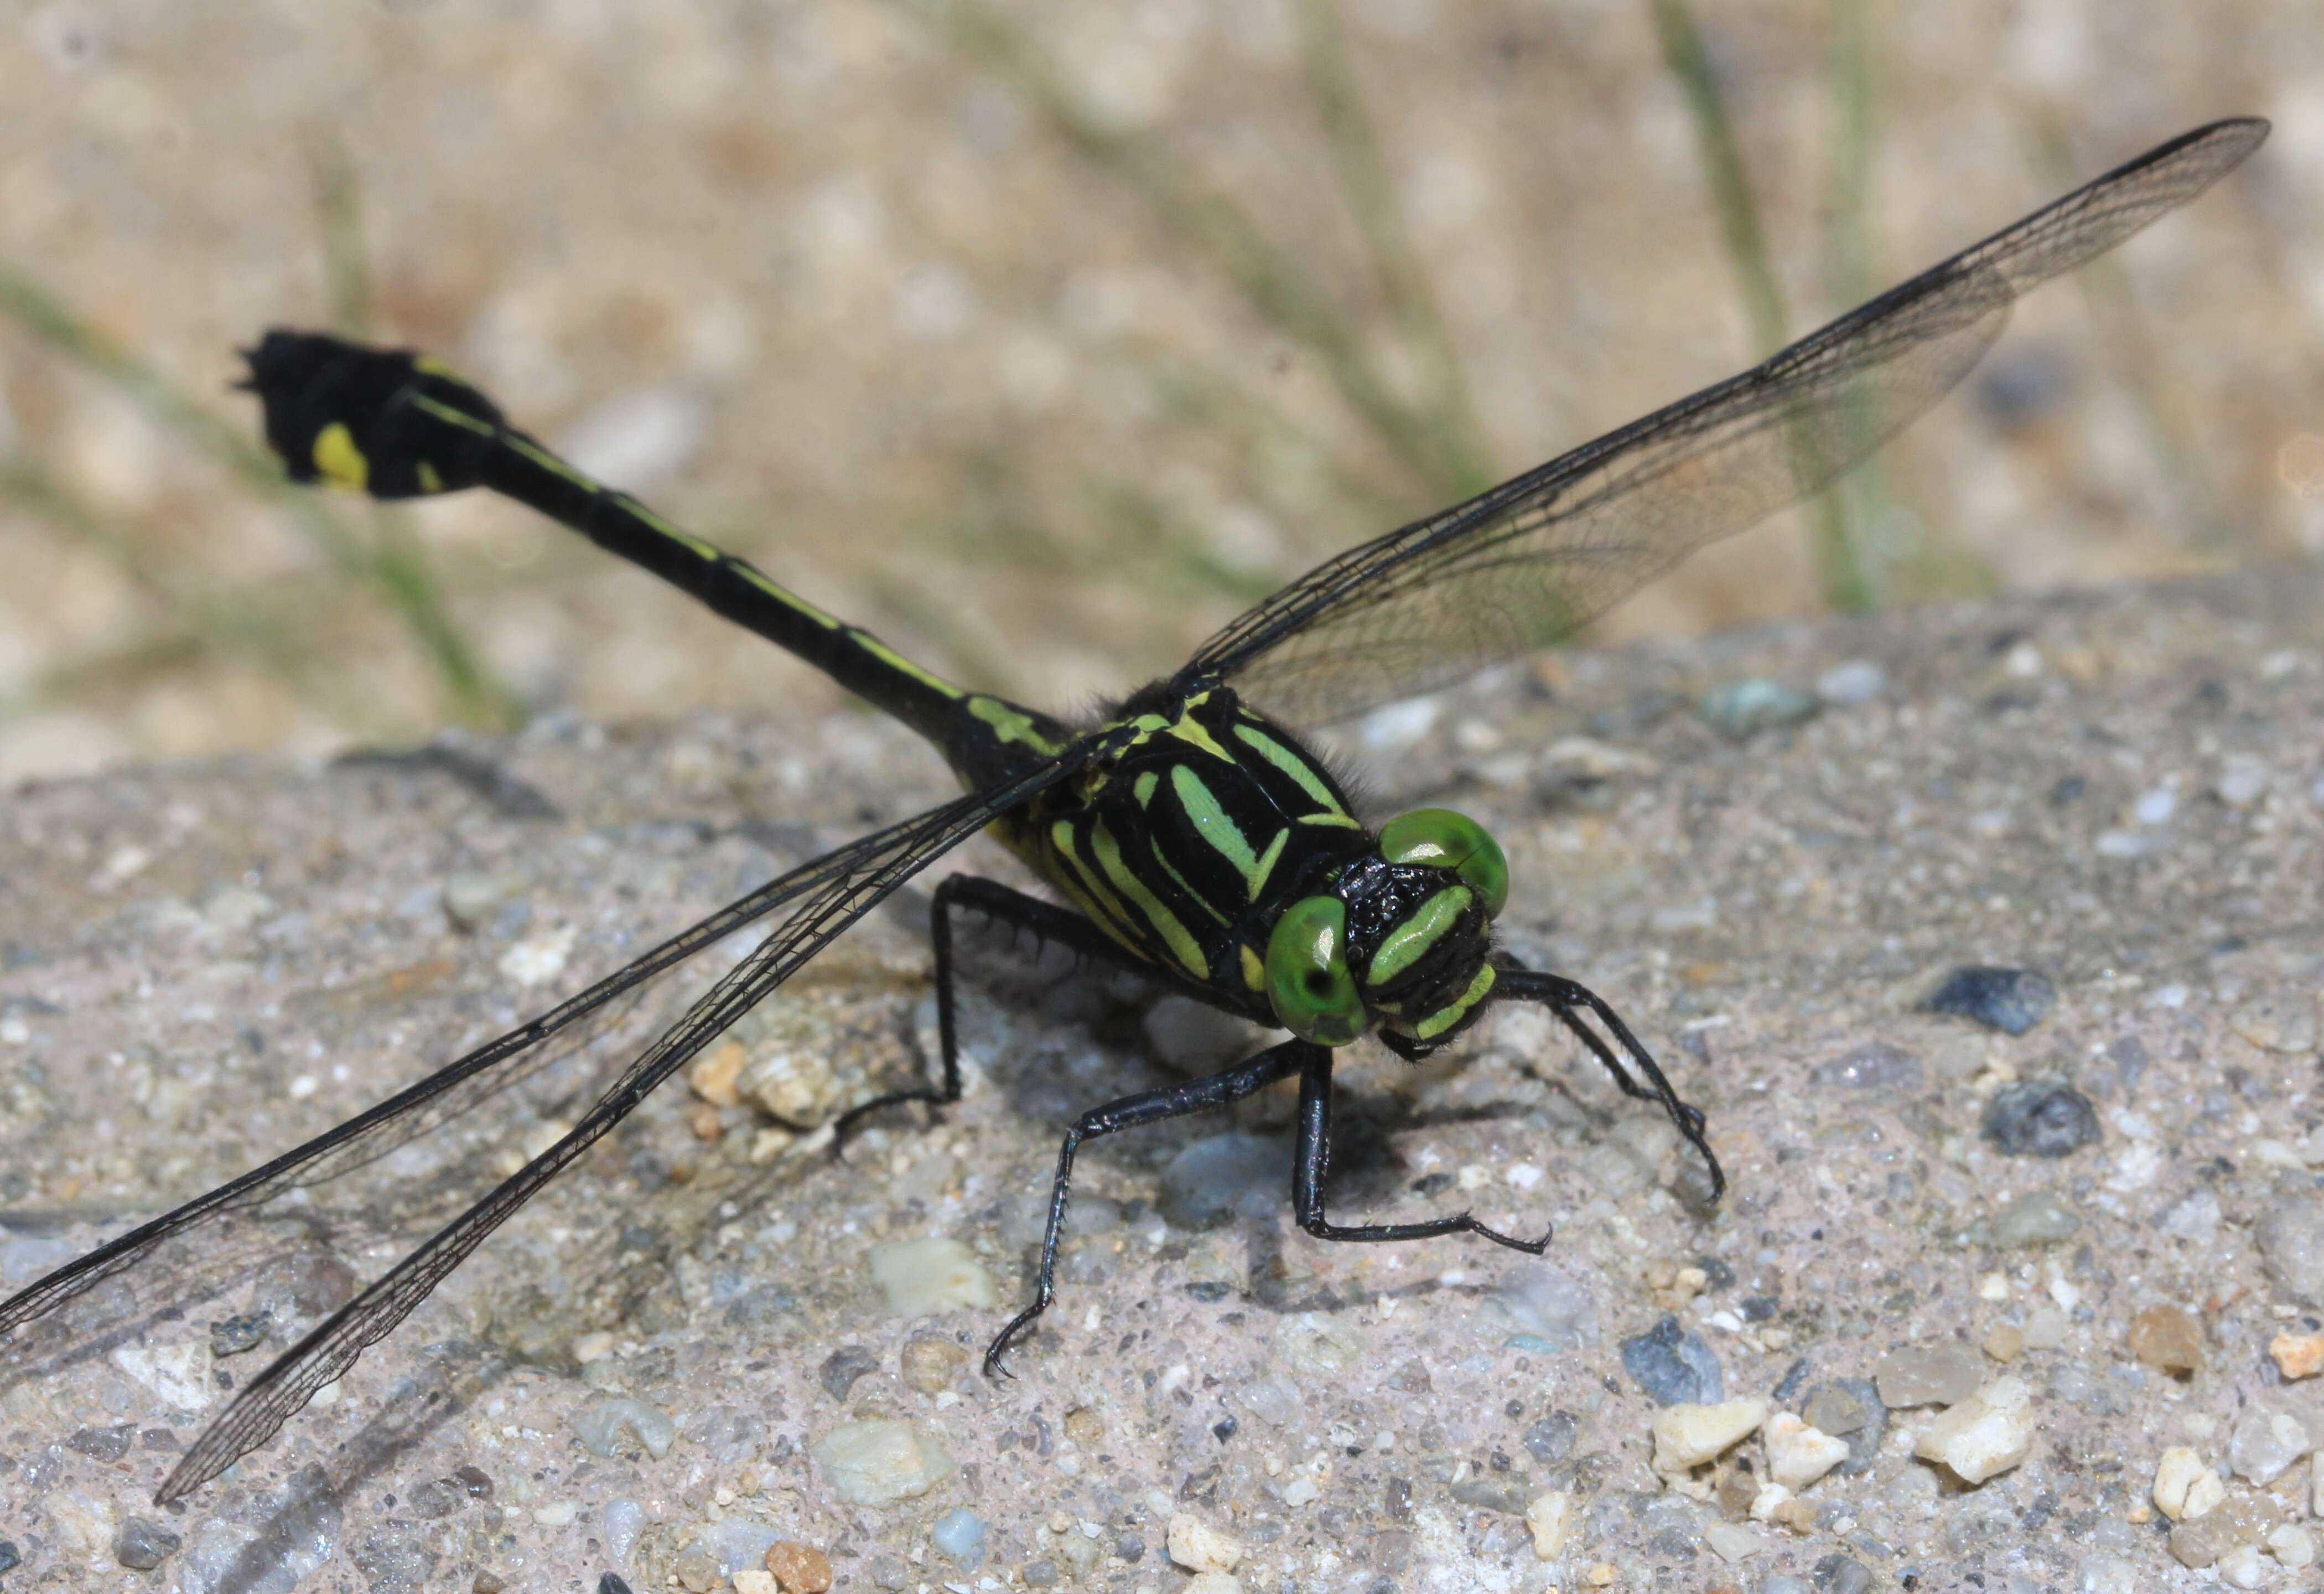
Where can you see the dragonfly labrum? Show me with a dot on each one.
(1190, 834)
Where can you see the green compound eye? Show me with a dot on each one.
(1451, 841)
(1307, 980)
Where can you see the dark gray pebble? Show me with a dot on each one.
(9, 1559)
(1674, 1367)
(2011, 1000)
(1793, 1376)
(1551, 1437)
(1491, 1494)
(1850, 1409)
(1840, 1574)
(233, 1335)
(843, 1366)
(1040, 1574)
(1130, 1548)
(2041, 1119)
(611, 1583)
(141, 1543)
(103, 1444)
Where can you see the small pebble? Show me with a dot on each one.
(2264, 1443)
(1576, 763)
(2011, 1000)
(880, 1461)
(2297, 1356)
(1549, 1518)
(2045, 1329)
(2006, 1342)
(1731, 1540)
(1740, 709)
(2245, 1516)
(1552, 1439)
(1798, 1453)
(1213, 1582)
(602, 1423)
(1688, 1434)
(10, 1557)
(233, 1335)
(2037, 1218)
(2165, 1337)
(843, 1366)
(1545, 1302)
(958, 1536)
(141, 1545)
(1987, 1434)
(2242, 1568)
(1850, 1409)
(1840, 1574)
(2293, 1547)
(2284, 1025)
(800, 1568)
(922, 1278)
(1674, 1367)
(2184, 1487)
(929, 1362)
(1873, 1066)
(1212, 1178)
(2291, 1235)
(752, 1580)
(1197, 1546)
(1940, 1375)
(2041, 1119)
(1845, 686)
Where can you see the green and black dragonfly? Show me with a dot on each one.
(1191, 833)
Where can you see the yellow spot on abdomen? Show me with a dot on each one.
(341, 463)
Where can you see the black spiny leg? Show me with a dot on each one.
(1313, 1161)
(1148, 1107)
(1569, 999)
(1047, 921)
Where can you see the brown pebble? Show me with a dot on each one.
(1084, 1426)
(2297, 1355)
(2005, 1342)
(1736, 1490)
(713, 1077)
(800, 1568)
(2165, 1337)
(929, 1361)
(704, 1121)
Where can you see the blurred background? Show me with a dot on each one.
(1041, 336)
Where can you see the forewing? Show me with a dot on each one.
(450, 1093)
(1521, 566)
(868, 872)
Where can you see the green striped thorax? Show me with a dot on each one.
(1212, 844)
(1398, 939)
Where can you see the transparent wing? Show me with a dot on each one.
(839, 890)
(1522, 565)
(449, 1093)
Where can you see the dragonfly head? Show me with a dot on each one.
(1398, 937)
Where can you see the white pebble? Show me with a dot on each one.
(1213, 1582)
(1550, 1519)
(2265, 1443)
(1798, 1452)
(1764, 1502)
(2241, 1568)
(2184, 1487)
(881, 1463)
(1687, 1435)
(2156, 807)
(1989, 1433)
(538, 959)
(752, 1580)
(2293, 1546)
(1732, 1541)
(1197, 1546)
(921, 1277)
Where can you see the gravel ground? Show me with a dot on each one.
(2084, 1183)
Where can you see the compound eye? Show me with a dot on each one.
(1450, 840)
(1307, 980)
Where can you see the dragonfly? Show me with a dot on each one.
(1190, 834)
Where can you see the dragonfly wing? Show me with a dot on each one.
(1524, 564)
(839, 895)
(449, 1093)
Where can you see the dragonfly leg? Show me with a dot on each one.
(1313, 1161)
(1570, 999)
(1148, 1107)
(1003, 904)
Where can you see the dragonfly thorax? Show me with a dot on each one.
(1210, 842)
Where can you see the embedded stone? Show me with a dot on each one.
(1687, 1435)
(1989, 1433)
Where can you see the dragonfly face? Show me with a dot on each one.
(1399, 941)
